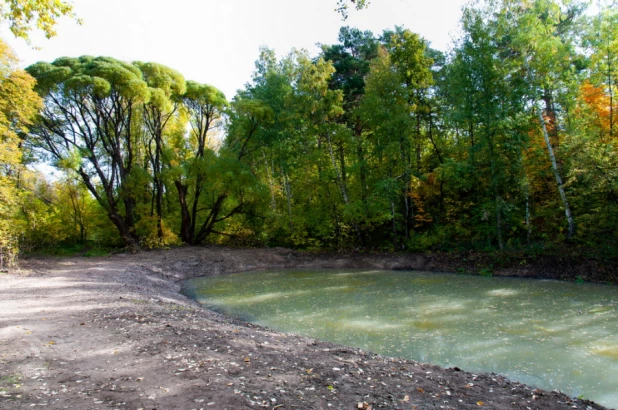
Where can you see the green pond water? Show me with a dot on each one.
(547, 334)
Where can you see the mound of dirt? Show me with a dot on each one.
(115, 333)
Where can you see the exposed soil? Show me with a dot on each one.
(115, 333)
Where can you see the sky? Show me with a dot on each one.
(217, 41)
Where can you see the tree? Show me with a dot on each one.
(409, 59)
(204, 105)
(602, 40)
(278, 162)
(232, 188)
(385, 111)
(166, 87)
(88, 126)
(351, 59)
(18, 104)
(541, 37)
(78, 208)
(321, 107)
(25, 16)
(486, 105)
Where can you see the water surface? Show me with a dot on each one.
(549, 334)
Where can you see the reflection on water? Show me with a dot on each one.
(548, 334)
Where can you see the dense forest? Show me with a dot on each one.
(506, 142)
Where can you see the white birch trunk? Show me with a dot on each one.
(554, 166)
(288, 197)
(344, 192)
(342, 187)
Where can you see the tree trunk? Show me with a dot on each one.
(186, 235)
(127, 233)
(394, 225)
(288, 197)
(212, 218)
(360, 156)
(554, 167)
(528, 226)
(494, 184)
(550, 112)
(158, 184)
(342, 187)
(611, 90)
(499, 222)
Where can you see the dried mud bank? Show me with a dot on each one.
(115, 333)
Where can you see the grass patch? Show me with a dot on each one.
(173, 306)
(9, 380)
(88, 249)
(97, 252)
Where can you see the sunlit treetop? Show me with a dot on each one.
(89, 75)
(165, 84)
(204, 94)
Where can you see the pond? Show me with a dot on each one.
(548, 334)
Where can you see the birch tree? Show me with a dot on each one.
(540, 36)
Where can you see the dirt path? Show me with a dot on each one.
(114, 333)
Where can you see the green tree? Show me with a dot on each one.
(321, 107)
(88, 126)
(204, 105)
(486, 106)
(386, 112)
(351, 59)
(541, 36)
(166, 86)
(410, 60)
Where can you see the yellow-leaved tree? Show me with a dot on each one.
(18, 104)
(26, 16)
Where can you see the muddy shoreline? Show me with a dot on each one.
(115, 333)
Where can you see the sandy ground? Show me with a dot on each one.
(115, 333)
